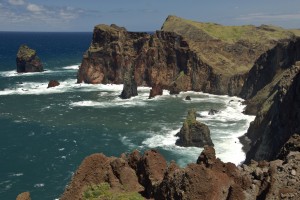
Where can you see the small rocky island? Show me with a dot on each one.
(28, 61)
(193, 132)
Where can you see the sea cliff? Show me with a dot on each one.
(260, 64)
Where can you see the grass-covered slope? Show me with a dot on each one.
(228, 49)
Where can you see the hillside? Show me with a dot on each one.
(228, 49)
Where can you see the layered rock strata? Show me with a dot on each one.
(193, 132)
(27, 60)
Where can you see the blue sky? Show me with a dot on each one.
(141, 15)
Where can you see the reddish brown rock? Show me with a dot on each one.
(53, 83)
(24, 196)
(156, 90)
(151, 171)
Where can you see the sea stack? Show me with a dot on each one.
(28, 61)
(130, 86)
(156, 90)
(193, 132)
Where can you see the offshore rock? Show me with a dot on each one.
(213, 111)
(129, 85)
(156, 90)
(27, 60)
(193, 132)
(53, 83)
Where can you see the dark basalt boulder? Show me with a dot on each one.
(28, 61)
(188, 98)
(193, 132)
(130, 86)
(53, 83)
(156, 90)
(213, 112)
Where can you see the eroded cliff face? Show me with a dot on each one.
(277, 116)
(163, 58)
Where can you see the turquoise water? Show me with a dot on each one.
(46, 133)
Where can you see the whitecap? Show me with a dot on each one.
(39, 185)
(14, 73)
(72, 67)
(17, 174)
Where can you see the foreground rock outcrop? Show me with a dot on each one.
(209, 178)
(27, 60)
(193, 132)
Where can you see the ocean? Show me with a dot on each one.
(46, 133)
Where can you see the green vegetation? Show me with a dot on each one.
(25, 52)
(104, 192)
(230, 34)
(191, 117)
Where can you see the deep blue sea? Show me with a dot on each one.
(46, 133)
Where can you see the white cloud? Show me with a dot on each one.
(16, 2)
(34, 8)
(264, 16)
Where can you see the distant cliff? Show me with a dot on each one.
(247, 61)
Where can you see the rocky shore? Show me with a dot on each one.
(259, 64)
(148, 176)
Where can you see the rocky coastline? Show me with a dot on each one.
(260, 64)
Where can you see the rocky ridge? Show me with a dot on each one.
(208, 178)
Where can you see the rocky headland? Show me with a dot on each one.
(27, 60)
(260, 64)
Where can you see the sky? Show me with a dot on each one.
(141, 15)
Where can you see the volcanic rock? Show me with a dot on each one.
(27, 60)
(129, 85)
(24, 196)
(277, 117)
(193, 132)
(188, 98)
(156, 90)
(213, 112)
(53, 83)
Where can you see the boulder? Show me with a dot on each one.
(193, 132)
(213, 112)
(53, 83)
(155, 91)
(28, 61)
(188, 98)
(129, 85)
(24, 196)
